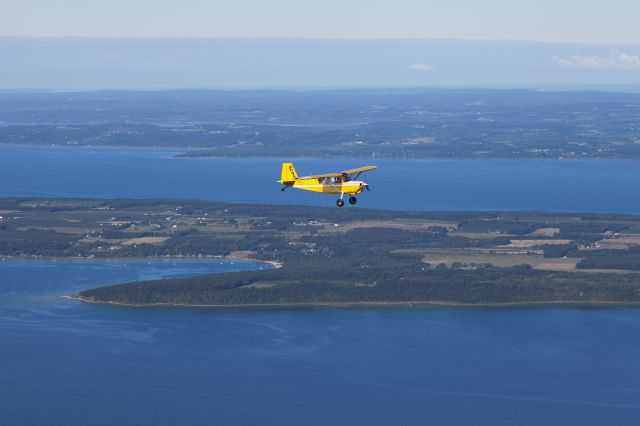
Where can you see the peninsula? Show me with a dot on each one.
(334, 256)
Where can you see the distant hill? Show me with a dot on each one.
(391, 123)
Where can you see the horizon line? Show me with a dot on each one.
(552, 88)
(304, 38)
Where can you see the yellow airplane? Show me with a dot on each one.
(330, 183)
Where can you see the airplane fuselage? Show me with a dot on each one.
(317, 185)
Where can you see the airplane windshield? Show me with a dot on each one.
(330, 180)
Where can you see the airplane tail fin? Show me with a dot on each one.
(288, 173)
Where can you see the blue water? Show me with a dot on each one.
(593, 186)
(68, 363)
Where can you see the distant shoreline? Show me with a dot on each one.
(182, 152)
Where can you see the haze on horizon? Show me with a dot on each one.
(165, 44)
(568, 21)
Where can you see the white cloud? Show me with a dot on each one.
(421, 67)
(615, 61)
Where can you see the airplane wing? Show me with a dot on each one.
(339, 174)
(326, 175)
(358, 170)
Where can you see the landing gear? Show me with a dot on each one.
(340, 202)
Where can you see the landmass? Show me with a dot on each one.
(382, 123)
(337, 256)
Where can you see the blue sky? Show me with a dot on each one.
(583, 21)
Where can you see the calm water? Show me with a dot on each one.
(595, 186)
(67, 363)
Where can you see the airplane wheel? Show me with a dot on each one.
(340, 203)
(353, 200)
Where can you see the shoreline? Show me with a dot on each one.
(406, 304)
(180, 153)
(275, 264)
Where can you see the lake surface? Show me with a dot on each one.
(65, 362)
(590, 186)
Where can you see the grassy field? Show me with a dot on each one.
(468, 258)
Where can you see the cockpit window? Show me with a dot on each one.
(330, 180)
